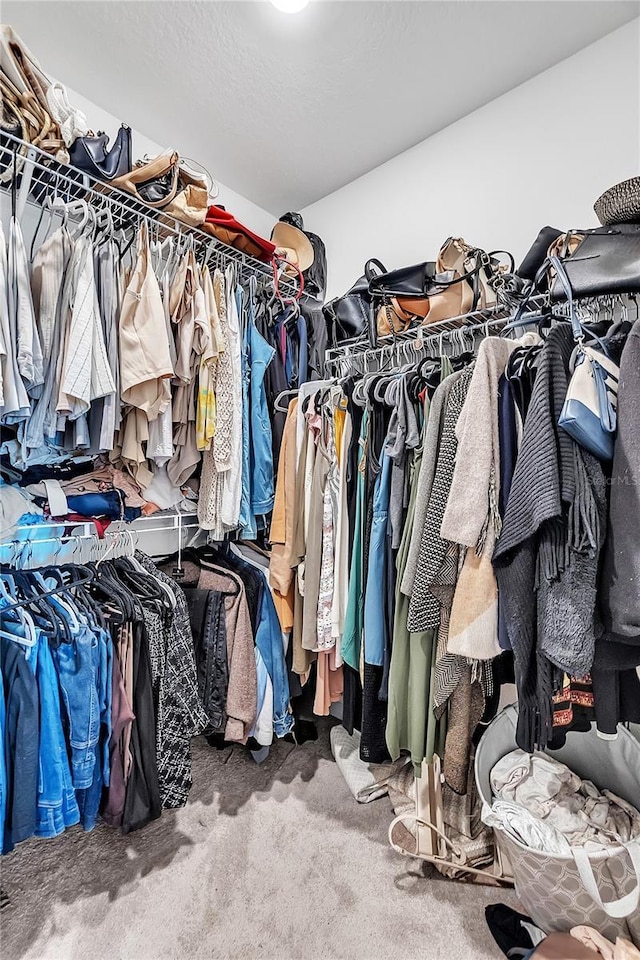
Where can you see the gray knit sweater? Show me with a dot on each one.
(547, 556)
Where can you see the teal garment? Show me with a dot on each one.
(354, 616)
(375, 620)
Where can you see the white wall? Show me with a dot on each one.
(541, 154)
(253, 216)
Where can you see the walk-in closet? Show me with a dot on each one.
(319, 479)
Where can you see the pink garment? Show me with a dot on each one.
(329, 682)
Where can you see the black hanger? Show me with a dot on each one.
(51, 624)
(459, 361)
(48, 593)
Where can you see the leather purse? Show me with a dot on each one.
(404, 294)
(166, 184)
(191, 202)
(155, 182)
(537, 253)
(392, 318)
(588, 413)
(407, 282)
(464, 280)
(349, 316)
(91, 154)
(601, 261)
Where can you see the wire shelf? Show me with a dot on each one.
(35, 175)
(421, 333)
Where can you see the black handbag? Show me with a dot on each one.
(349, 316)
(411, 282)
(537, 253)
(606, 261)
(91, 155)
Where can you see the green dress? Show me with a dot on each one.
(411, 724)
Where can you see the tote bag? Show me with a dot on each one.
(599, 889)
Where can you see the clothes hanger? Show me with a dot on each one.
(23, 621)
(52, 593)
(277, 403)
(65, 601)
(72, 209)
(50, 624)
(19, 617)
(52, 204)
(103, 227)
(135, 563)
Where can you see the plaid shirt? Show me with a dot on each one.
(179, 712)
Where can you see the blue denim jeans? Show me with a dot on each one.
(77, 665)
(57, 807)
(269, 643)
(89, 798)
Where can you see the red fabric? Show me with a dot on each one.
(101, 523)
(225, 226)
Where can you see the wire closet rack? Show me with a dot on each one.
(35, 175)
(419, 341)
(415, 341)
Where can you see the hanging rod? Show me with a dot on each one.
(474, 321)
(425, 331)
(412, 348)
(39, 174)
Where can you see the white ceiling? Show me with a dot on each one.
(286, 109)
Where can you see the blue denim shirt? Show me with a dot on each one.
(374, 618)
(261, 354)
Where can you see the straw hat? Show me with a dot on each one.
(293, 245)
(620, 203)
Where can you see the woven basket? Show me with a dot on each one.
(620, 203)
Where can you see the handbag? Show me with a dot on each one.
(443, 828)
(161, 183)
(392, 318)
(410, 283)
(588, 413)
(191, 202)
(91, 154)
(464, 280)
(155, 181)
(404, 294)
(537, 253)
(350, 315)
(601, 261)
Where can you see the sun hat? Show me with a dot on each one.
(292, 245)
(620, 203)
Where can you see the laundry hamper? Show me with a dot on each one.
(560, 892)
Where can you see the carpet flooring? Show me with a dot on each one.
(271, 862)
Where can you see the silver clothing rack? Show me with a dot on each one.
(38, 175)
(418, 341)
(409, 344)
